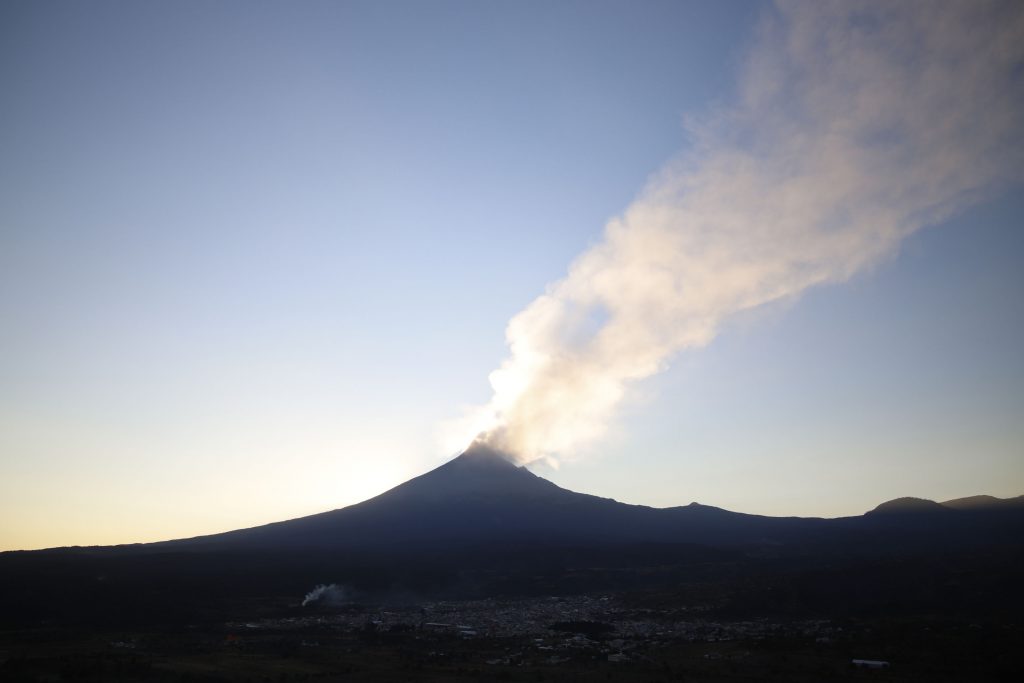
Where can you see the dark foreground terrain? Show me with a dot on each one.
(638, 614)
(480, 570)
(363, 645)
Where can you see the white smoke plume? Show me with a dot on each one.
(854, 125)
(329, 594)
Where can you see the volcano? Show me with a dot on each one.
(480, 496)
(479, 526)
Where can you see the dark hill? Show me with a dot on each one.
(908, 505)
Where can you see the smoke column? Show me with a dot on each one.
(854, 125)
(327, 594)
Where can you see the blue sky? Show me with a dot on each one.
(254, 256)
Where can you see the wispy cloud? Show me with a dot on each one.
(854, 125)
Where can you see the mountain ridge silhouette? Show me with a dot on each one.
(481, 496)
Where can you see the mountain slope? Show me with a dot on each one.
(481, 499)
(984, 503)
(480, 496)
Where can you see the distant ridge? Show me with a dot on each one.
(984, 503)
(908, 505)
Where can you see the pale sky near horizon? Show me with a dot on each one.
(253, 256)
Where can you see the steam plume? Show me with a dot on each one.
(854, 125)
(329, 594)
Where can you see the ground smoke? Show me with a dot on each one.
(326, 595)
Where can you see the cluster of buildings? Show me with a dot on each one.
(555, 624)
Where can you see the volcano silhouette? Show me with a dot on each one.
(482, 496)
(480, 526)
(480, 499)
